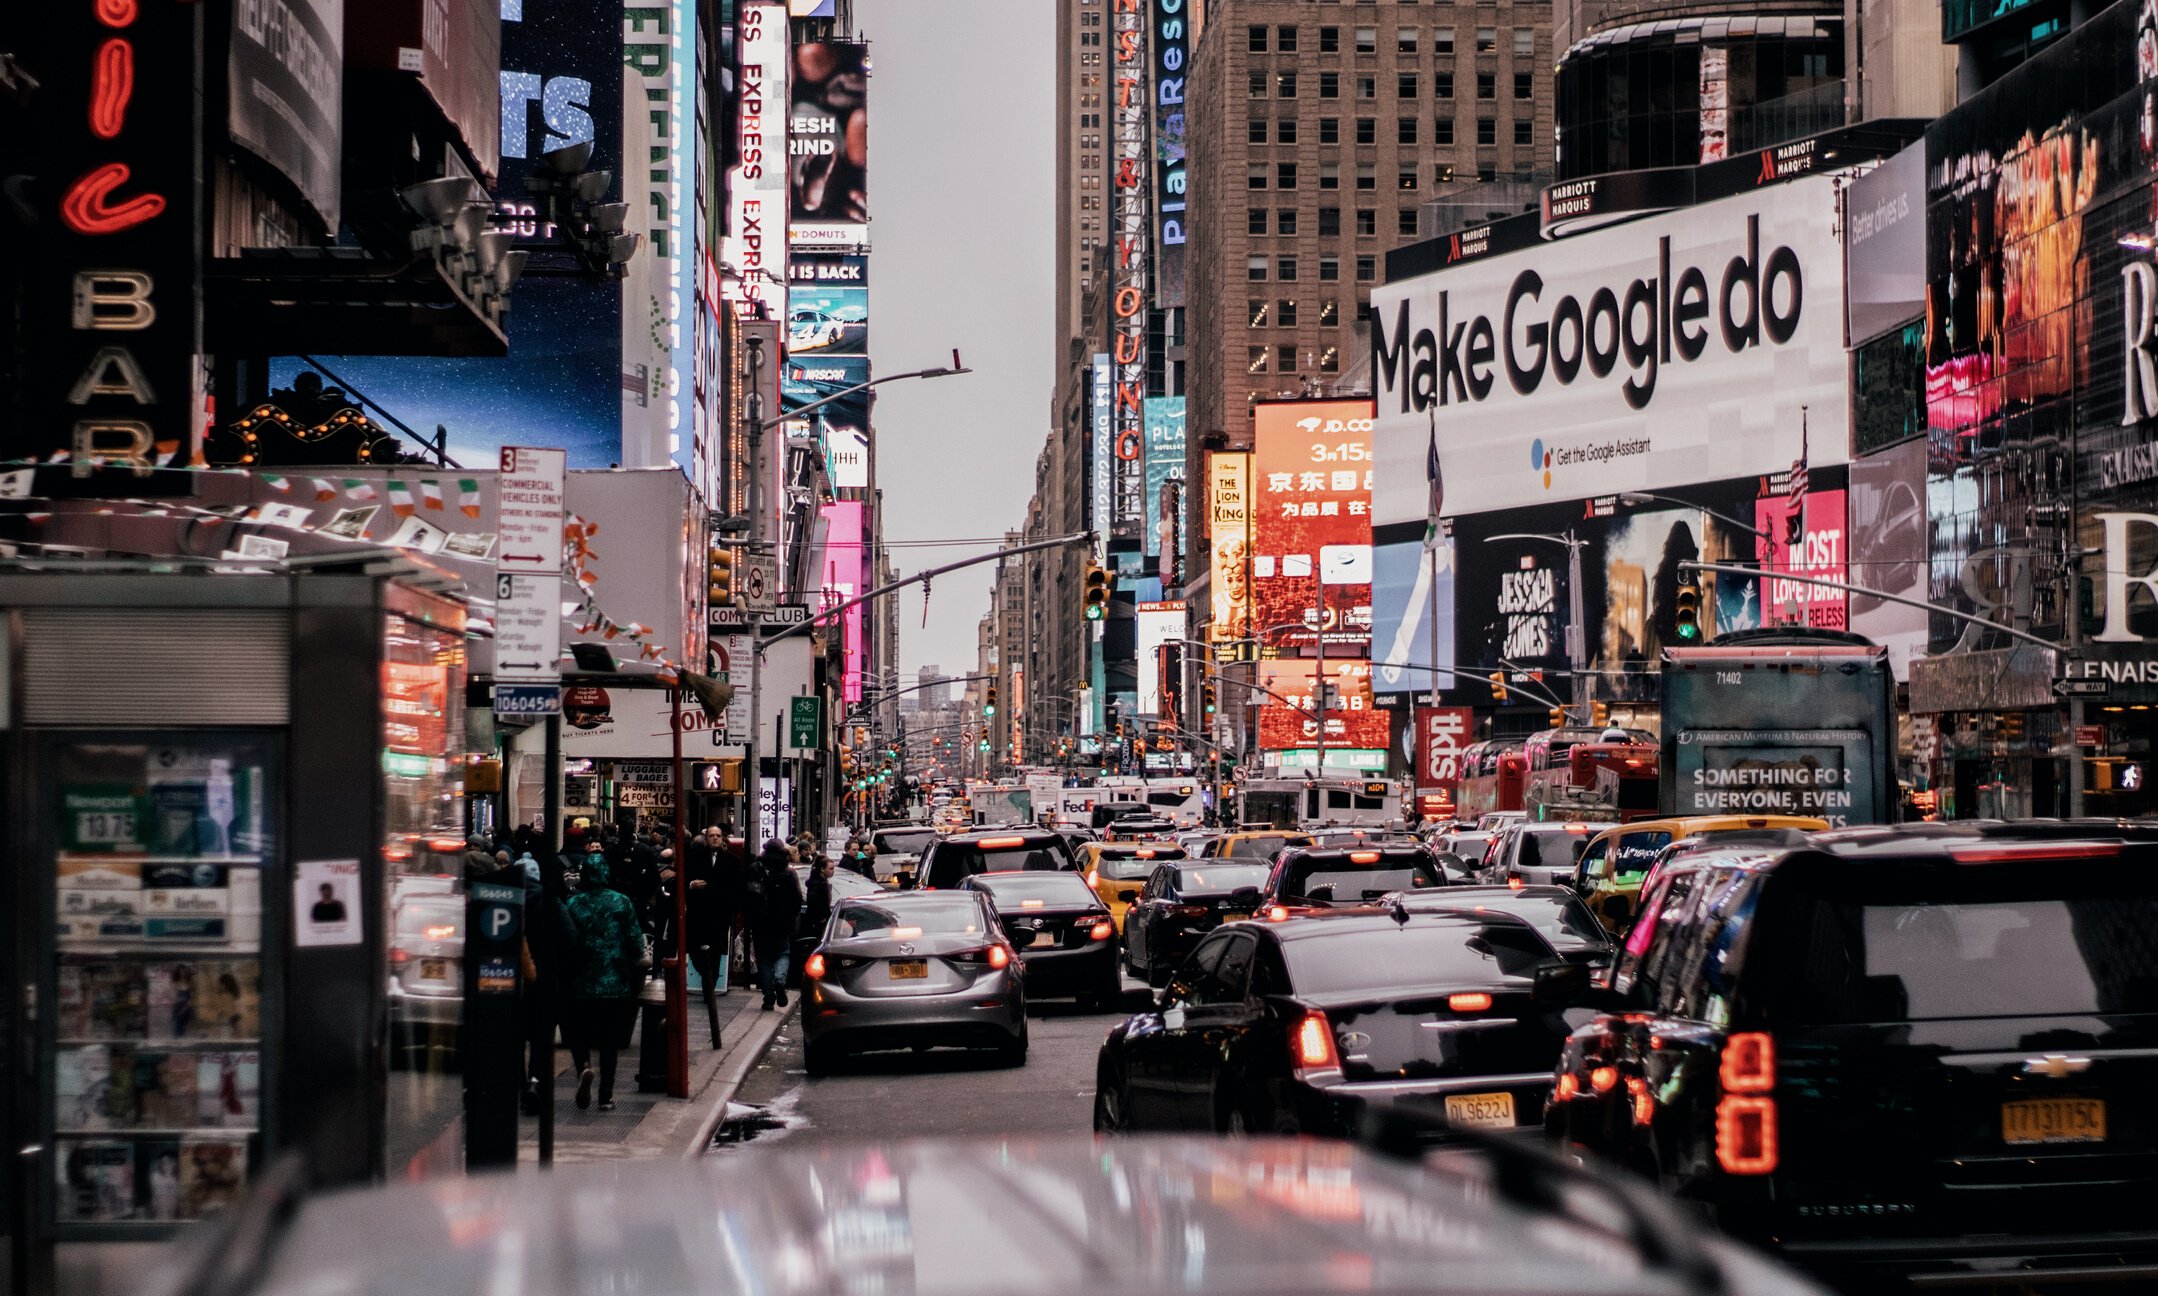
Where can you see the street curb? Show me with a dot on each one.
(748, 1052)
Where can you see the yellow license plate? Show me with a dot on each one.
(909, 969)
(2054, 1120)
(1480, 1111)
(434, 969)
(1234, 917)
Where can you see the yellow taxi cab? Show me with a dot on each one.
(1117, 870)
(1257, 845)
(1616, 862)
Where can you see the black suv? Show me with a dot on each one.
(951, 860)
(1927, 1050)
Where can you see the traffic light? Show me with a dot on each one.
(1689, 612)
(1600, 714)
(1096, 592)
(1558, 717)
(721, 576)
(989, 702)
(1206, 699)
(1498, 686)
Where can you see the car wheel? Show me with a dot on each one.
(1229, 1116)
(1112, 1102)
(817, 1059)
(1013, 1054)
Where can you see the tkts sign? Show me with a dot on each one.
(113, 319)
(1133, 203)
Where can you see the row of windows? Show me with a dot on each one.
(1284, 174)
(1284, 269)
(1407, 85)
(1366, 40)
(1367, 219)
(1367, 131)
(1282, 313)
(1283, 359)
(1284, 85)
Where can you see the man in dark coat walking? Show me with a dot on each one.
(777, 910)
(714, 903)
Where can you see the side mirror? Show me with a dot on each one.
(1560, 982)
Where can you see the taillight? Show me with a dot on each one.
(1276, 913)
(814, 968)
(1363, 857)
(2036, 851)
(1602, 1078)
(1468, 1002)
(1312, 1045)
(999, 957)
(1748, 1063)
(1093, 878)
(1103, 929)
(441, 931)
(1516, 883)
(398, 955)
(1746, 1135)
(1568, 1086)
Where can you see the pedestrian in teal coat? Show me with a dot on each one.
(606, 970)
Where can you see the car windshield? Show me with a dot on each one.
(1412, 956)
(1219, 879)
(1338, 878)
(1046, 890)
(927, 915)
(2001, 949)
(966, 858)
(1637, 850)
(1553, 849)
(1263, 848)
(1563, 919)
(904, 843)
(1129, 867)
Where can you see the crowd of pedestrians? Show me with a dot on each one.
(600, 919)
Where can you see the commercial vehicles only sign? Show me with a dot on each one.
(529, 511)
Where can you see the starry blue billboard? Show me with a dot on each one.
(561, 383)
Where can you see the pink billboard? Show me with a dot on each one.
(841, 580)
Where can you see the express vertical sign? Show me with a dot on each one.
(112, 376)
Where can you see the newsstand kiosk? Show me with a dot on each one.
(223, 785)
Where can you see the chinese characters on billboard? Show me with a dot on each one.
(1311, 521)
(1291, 698)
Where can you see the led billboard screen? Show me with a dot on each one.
(1311, 521)
(828, 148)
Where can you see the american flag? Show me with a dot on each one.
(1798, 485)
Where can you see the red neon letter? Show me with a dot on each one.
(112, 84)
(116, 13)
(86, 211)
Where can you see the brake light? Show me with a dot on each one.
(1277, 913)
(1517, 883)
(1144, 852)
(814, 968)
(398, 955)
(1746, 1135)
(1602, 1078)
(2037, 851)
(1102, 929)
(1748, 1063)
(1568, 1086)
(441, 931)
(999, 957)
(1313, 1045)
(1030, 904)
(1577, 828)
(1093, 877)
(1000, 843)
(1363, 857)
(1468, 1002)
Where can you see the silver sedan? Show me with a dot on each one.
(912, 970)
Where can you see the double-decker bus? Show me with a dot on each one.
(1494, 775)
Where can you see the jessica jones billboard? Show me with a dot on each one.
(561, 383)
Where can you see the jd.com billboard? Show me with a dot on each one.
(1667, 351)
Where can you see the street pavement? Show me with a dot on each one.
(939, 1092)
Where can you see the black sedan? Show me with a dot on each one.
(1063, 932)
(1319, 877)
(1180, 903)
(1294, 1026)
(1554, 911)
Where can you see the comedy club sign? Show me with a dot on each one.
(1670, 350)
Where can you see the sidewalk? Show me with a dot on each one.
(646, 1126)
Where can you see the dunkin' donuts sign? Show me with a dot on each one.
(1664, 351)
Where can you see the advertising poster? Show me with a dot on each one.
(842, 580)
(1131, 205)
(811, 378)
(1228, 477)
(285, 74)
(659, 293)
(755, 247)
(1658, 353)
(561, 383)
(1311, 522)
(1157, 625)
(1888, 549)
(827, 321)
(1353, 721)
(1101, 458)
(828, 150)
(1819, 551)
(1172, 56)
(325, 903)
(1441, 734)
(1164, 457)
(1411, 586)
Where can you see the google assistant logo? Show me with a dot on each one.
(1540, 460)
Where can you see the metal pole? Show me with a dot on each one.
(1319, 579)
(678, 966)
(551, 816)
(753, 784)
(1885, 596)
(1577, 629)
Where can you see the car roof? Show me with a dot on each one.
(975, 836)
(1052, 1216)
(1690, 825)
(1585, 827)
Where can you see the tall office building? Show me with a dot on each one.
(1317, 132)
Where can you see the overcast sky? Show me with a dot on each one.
(961, 191)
